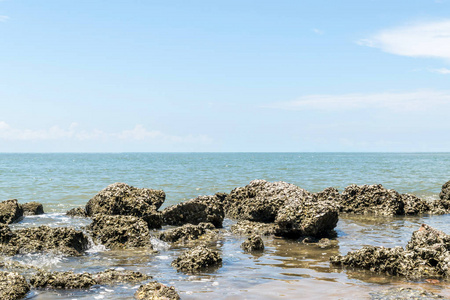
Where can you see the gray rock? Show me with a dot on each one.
(186, 232)
(197, 260)
(33, 208)
(10, 211)
(252, 244)
(156, 291)
(245, 227)
(13, 286)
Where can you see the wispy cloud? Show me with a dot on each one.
(318, 31)
(408, 101)
(4, 18)
(425, 39)
(441, 71)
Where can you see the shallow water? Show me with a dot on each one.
(287, 269)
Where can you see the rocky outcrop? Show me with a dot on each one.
(442, 205)
(427, 254)
(13, 286)
(245, 227)
(42, 239)
(156, 291)
(252, 244)
(32, 208)
(197, 260)
(117, 232)
(77, 212)
(203, 209)
(10, 211)
(187, 232)
(111, 276)
(445, 192)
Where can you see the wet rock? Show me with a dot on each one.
(245, 227)
(186, 232)
(10, 211)
(442, 206)
(307, 218)
(328, 194)
(13, 286)
(404, 294)
(154, 219)
(445, 192)
(62, 280)
(414, 205)
(77, 212)
(123, 199)
(116, 232)
(62, 240)
(203, 209)
(33, 208)
(111, 276)
(260, 200)
(197, 259)
(427, 255)
(253, 243)
(156, 291)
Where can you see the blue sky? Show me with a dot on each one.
(113, 76)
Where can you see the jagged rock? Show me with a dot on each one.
(32, 208)
(253, 243)
(117, 232)
(197, 259)
(427, 255)
(445, 192)
(307, 218)
(404, 294)
(328, 194)
(77, 212)
(10, 211)
(123, 199)
(208, 209)
(186, 232)
(13, 286)
(414, 205)
(245, 227)
(156, 291)
(442, 206)
(111, 276)
(43, 238)
(260, 200)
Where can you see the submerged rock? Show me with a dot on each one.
(13, 286)
(186, 232)
(111, 276)
(62, 240)
(253, 243)
(10, 211)
(197, 259)
(77, 212)
(404, 293)
(33, 208)
(116, 232)
(203, 209)
(245, 227)
(156, 291)
(427, 255)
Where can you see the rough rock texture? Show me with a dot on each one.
(123, 199)
(33, 208)
(156, 291)
(10, 211)
(375, 199)
(445, 192)
(427, 255)
(208, 209)
(111, 276)
(328, 194)
(117, 232)
(77, 212)
(307, 218)
(442, 206)
(186, 232)
(260, 200)
(253, 243)
(245, 227)
(197, 259)
(404, 294)
(13, 286)
(43, 238)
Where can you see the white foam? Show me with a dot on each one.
(159, 245)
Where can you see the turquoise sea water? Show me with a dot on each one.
(288, 269)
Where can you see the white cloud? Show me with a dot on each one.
(318, 31)
(407, 101)
(426, 39)
(441, 71)
(4, 18)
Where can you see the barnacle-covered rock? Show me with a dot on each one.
(197, 259)
(186, 232)
(252, 244)
(32, 208)
(117, 232)
(445, 192)
(111, 276)
(208, 209)
(77, 212)
(10, 211)
(63, 240)
(245, 227)
(156, 291)
(13, 286)
(442, 205)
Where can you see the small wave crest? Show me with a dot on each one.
(159, 245)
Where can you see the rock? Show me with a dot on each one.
(10, 211)
(328, 194)
(156, 291)
(111, 276)
(203, 209)
(307, 218)
(245, 227)
(32, 208)
(414, 205)
(154, 219)
(116, 232)
(427, 255)
(77, 212)
(197, 259)
(442, 206)
(62, 240)
(445, 192)
(260, 200)
(404, 293)
(252, 244)
(186, 232)
(13, 286)
(123, 199)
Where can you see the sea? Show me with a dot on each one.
(287, 269)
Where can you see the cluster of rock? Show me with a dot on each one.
(11, 211)
(156, 290)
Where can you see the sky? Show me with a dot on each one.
(225, 76)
